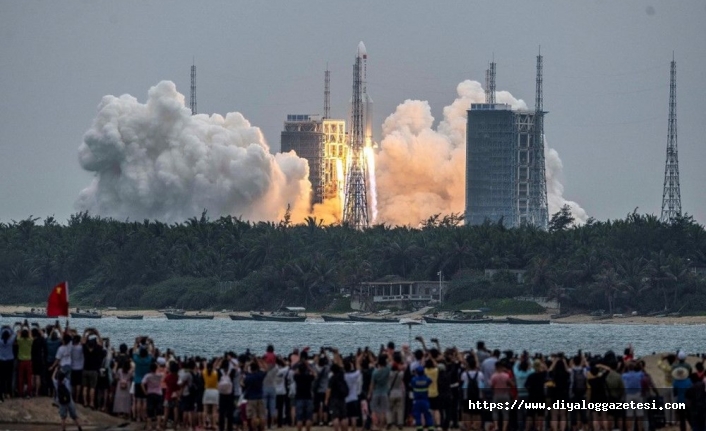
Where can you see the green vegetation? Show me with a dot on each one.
(633, 264)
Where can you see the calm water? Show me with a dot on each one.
(213, 337)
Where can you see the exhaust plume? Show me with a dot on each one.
(421, 171)
(155, 160)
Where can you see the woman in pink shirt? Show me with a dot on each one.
(152, 387)
(501, 383)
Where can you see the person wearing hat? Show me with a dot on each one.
(665, 364)
(420, 408)
(680, 384)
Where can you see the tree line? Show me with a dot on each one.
(636, 263)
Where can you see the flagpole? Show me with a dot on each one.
(68, 306)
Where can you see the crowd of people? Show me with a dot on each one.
(428, 386)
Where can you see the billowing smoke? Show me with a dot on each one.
(555, 190)
(421, 170)
(155, 160)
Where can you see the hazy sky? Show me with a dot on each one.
(606, 79)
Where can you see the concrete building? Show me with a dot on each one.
(373, 296)
(322, 142)
(500, 168)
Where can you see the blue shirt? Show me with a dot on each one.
(52, 348)
(420, 387)
(6, 353)
(142, 366)
(633, 382)
(521, 378)
(679, 387)
(253, 385)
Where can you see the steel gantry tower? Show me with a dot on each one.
(327, 93)
(355, 208)
(671, 195)
(192, 99)
(538, 205)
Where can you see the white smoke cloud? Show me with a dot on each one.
(421, 170)
(555, 190)
(157, 161)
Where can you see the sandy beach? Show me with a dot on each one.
(572, 319)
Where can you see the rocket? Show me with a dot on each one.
(367, 102)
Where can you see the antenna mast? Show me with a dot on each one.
(671, 195)
(327, 93)
(491, 82)
(192, 99)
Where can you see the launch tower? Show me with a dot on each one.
(192, 99)
(505, 172)
(355, 208)
(671, 195)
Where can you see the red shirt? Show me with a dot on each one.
(270, 358)
(171, 383)
(501, 384)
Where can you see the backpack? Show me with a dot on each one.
(472, 390)
(197, 384)
(225, 384)
(63, 394)
(580, 385)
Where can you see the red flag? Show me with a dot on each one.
(58, 303)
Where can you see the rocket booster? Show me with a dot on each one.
(367, 102)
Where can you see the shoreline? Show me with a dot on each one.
(575, 319)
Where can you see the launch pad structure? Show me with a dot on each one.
(323, 143)
(356, 210)
(505, 163)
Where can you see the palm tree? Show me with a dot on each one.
(608, 282)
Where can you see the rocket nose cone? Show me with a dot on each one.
(361, 50)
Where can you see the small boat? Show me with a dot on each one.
(559, 315)
(516, 321)
(32, 314)
(411, 322)
(359, 318)
(461, 316)
(329, 318)
(602, 317)
(85, 314)
(131, 317)
(238, 317)
(184, 316)
(284, 314)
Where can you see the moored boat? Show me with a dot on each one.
(430, 319)
(239, 317)
(329, 318)
(460, 316)
(284, 314)
(184, 316)
(359, 318)
(131, 317)
(516, 321)
(86, 314)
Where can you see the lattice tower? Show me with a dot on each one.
(192, 98)
(355, 210)
(491, 83)
(671, 195)
(538, 205)
(327, 93)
